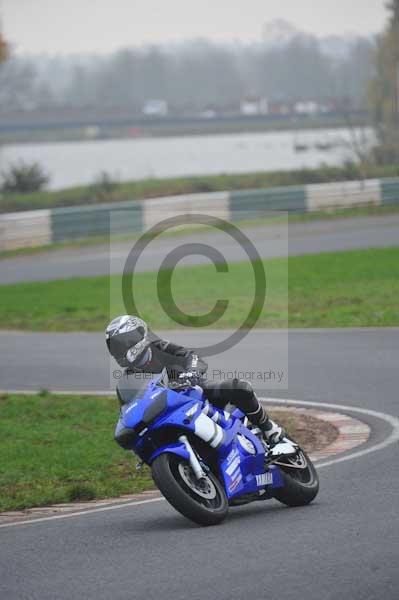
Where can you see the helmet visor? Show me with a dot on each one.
(119, 344)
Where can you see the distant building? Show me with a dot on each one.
(208, 113)
(155, 108)
(254, 106)
(91, 132)
(279, 108)
(307, 107)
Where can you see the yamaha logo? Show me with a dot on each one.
(264, 479)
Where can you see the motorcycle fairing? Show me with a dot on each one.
(179, 449)
(243, 470)
(240, 453)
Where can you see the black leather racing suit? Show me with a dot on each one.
(177, 360)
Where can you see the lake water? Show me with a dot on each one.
(76, 163)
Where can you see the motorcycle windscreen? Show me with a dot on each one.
(146, 409)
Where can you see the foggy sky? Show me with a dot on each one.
(69, 26)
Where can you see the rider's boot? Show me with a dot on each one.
(272, 432)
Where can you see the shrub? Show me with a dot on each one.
(24, 178)
(386, 153)
(104, 186)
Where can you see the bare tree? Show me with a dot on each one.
(191, 76)
(384, 89)
(3, 49)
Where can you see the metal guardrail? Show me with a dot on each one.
(80, 222)
(42, 227)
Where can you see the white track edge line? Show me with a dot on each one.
(81, 512)
(391, 439)
(390, 419)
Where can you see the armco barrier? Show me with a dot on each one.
(79, 222)
(215, 204)
(390, 190)
(343, 194)
(245, 204)
(25, 229)
(41, 227)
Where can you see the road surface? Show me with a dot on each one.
(270, 241)
(345, 545)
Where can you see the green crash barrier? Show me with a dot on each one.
(390, 190)
(32, 228)
(248, 204)
(81, 222)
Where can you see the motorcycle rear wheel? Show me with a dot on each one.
(301, 485)
(203, 501)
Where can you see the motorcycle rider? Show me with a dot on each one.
(138, 350)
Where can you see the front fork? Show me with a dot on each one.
(194, 462)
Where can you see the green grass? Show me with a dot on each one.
(60, 449)
(363, 211)
(150, 188)
(356, 288)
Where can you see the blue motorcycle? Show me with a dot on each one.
(203, 459)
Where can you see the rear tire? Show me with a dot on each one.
(172, 475)
(301, 486)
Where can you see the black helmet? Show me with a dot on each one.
(126, 338)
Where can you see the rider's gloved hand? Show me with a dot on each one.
(193, 377)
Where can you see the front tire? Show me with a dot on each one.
(301, 485)
(203, 502)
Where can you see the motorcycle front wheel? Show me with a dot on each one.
(203, 501)
(301, 482)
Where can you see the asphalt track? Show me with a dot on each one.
(270, 241)
(345, 545)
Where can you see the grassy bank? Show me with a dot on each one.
(342, 289)
(60, 449)
(150, 188)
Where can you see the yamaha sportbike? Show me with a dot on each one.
(203, 459)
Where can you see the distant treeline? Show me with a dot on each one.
(192, 76)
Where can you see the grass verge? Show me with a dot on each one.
(60, 449)
(150, 188)
(342, 289)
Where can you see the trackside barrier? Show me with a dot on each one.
(247, 204)
(343, 195)
(42, 227)
(158, 209)
(79, 222)
(25, 229)
(390, 190)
